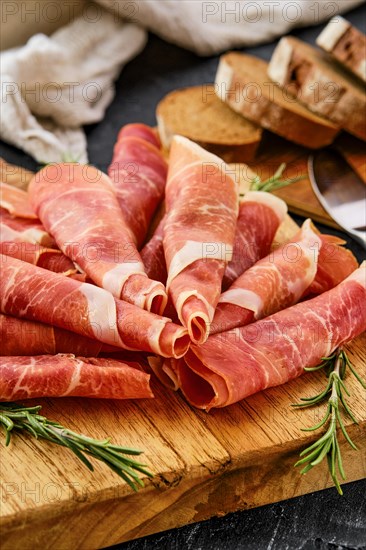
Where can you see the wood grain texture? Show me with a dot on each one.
(204, 464)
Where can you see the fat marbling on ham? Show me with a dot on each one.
(274, 283)
(235, 364)
(260, 215)
(24, 337)
(34, 253)
(138, 172)
(78, 206)
(33, 293)
(202, 208)
(66, 375)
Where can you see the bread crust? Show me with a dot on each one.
(273, 109)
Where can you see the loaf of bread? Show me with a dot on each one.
(198, 114)
(320, 83)
(242, 82)
(346, 44)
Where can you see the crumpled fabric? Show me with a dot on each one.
(54, 85)
(212, 27)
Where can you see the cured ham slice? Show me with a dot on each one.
(335, 264)
(137, 129)
(202, 208)
(138, 172)
(78, 206)
(67, 375)
(15, 201)
(233, 365)
(35, 254)
(23, 337)
(23, 230)
(274, 283)
(260, 215)
(153, 255)
(36, 294)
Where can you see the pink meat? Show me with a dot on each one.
(23, 337)
(15, 201)
(233, 365)
(276, 282)
(78, 206)
(260, 215)
(138, 172)
(36, 294)
(335, 264)
(48, 258)
(66, 375)
(202, 208)
(13, 229)
(153, 255)
(137, 129)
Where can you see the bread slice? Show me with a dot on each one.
(242, 82)
(198, 114)
(320, 83)
(346, 44)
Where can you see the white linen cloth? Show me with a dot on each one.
(53, 86)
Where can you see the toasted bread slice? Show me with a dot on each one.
(242, 82)
(320, 83)
(198, 114)
(346, 44)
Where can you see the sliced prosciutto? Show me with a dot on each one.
(36, 294)
(23, 337)
(35, 254)
(67, 375)
(153, 255)
(138, 172)
(274, 283)
(15, 201)
(233, 365)
(78, 206)
(335, 264)
(16, 229)
(202, 208)
(260, 215)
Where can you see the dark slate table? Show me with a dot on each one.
(322, 520)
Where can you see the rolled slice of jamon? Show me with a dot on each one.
(24, 337)
(153, 255)
(235, 364)
(202, 207)
(33, 253)
(66, 375)
(276, 282)
(16, 229)
(260, 215)
(138, 172)
(16, 201)
(77, 204)
(33, 293)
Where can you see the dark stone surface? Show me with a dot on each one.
(323, 520)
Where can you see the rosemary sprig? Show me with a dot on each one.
(327, 445)
(274, 182)
(27, 419)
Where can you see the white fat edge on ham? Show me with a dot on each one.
(263, 197)
(309, 244)
(184, 296)
(193, 251)
(115, 278)
(359, 275)
(154, 333)
(31, 235)
(102, 314)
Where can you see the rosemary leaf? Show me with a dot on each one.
(327, 446)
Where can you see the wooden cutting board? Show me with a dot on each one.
(204, 464)
(300, 196)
